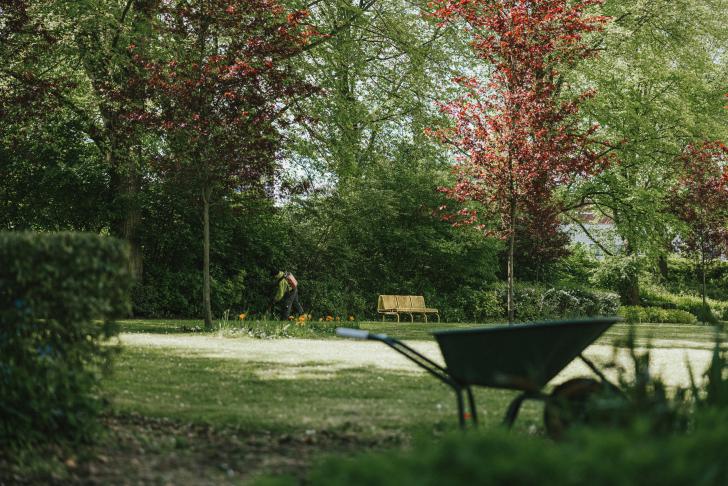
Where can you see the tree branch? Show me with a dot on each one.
(115, 41)
(586, 232)
(364, 6)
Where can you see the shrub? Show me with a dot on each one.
(703, 312)
(619, 274)
(489, 304)
(536, 302)
(53, 289)
(575, 268)
(656, 297)
(656, 314)
(179, 293)
(493, 457)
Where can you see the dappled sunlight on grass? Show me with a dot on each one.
(255, 396)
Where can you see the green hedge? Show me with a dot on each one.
(496, 457)
(536, 302)
(59, 294)
(656, 314)
(656, 297)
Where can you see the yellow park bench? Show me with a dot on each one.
(394, 305)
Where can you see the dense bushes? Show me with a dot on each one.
(621, 275)
(599, 457)
(54, 290)
(684, 276)
(534, 302)
(656, 314)
(656, 297)
(373, 236)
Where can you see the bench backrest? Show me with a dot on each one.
(418, 301)
(386, 302)
(404, 302)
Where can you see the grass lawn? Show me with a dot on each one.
(266, 396)
(186, 419)
(182, 417)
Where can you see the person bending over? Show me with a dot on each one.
(286, 291)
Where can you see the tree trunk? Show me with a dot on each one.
(206, 258)
(511, 247)
(702, 274)
(126, 185)
(662, 266)
(632, 294)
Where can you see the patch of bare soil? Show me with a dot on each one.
(143, 450)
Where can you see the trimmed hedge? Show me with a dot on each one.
(59, 294)
(656, 297)
(495, 457)
(656, 314)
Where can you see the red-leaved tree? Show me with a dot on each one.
(700, 201)
(220, 86)
(518, 133)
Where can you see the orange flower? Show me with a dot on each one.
(351, 318)
(242, 316)
(329, 318)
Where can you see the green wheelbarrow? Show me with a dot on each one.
(524, 357)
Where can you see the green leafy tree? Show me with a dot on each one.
(220, 86)
(661, 77)
(73, 56)
(700, 201)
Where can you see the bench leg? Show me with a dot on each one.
(425, 318)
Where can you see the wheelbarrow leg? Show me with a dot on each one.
(461, 408)
(471, 401)
(513, 410)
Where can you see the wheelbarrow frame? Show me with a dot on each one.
(530, 388)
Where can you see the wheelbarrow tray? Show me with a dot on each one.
(522, 357)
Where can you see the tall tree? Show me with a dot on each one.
(661, 76)
(221, 89)
(378, 72)
(72, 56)
(519, 134)
(700, 201)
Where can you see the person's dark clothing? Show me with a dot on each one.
(285, 293)
(291, 299)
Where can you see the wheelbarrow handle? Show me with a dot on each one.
(346, 332)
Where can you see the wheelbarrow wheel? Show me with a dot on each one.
(567, 405)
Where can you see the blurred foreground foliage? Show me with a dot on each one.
(59, 296)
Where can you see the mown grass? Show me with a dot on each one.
(184, 418)
(268, 397)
